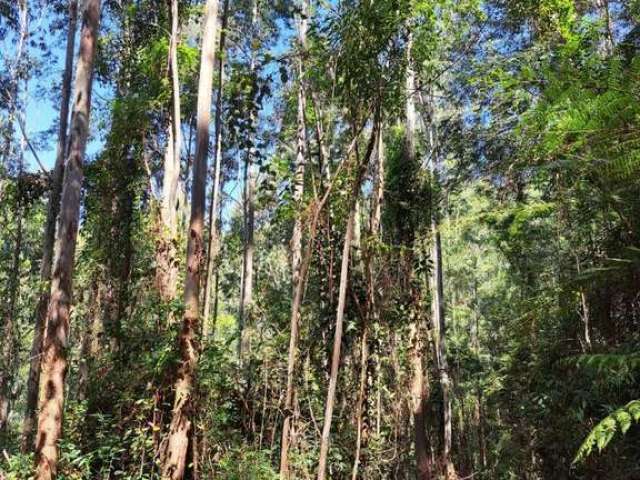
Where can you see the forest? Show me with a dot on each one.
(319, 239)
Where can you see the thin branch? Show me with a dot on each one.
(33, 150)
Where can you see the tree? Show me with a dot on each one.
(213, 244)
(296, 240)
(248, 212)
(360, 166)
(53, 207)
(55, 341)
(175, 455)
(167, 270)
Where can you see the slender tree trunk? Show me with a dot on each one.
(246, 287)
(90, 338)
(246, 290)
(175, 456)
(342, 297)
(337, 343)
(360, 404)
(437, 309)
(53, 207)
(213, 247)
(54, 350)
(372, 310)
(166, 250)
(607, 43)
(296, 243)
(475, 343)
(585, 314)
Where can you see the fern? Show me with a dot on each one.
(619, 420)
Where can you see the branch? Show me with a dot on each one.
(33, 150)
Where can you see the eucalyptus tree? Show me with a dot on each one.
(53, 208)
(175, 456)
(166, 271)
(54, 349)
(296, 236)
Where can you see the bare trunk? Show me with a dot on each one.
(213, 247)
(54, 348)
(53, 207)
(246, 287)
(296, 244)
(437, 310)
(419, 396)
(174, 459)
(342, 297)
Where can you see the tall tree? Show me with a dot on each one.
(175, 455)
(55, 342)
(53, 207)
(372, 312)
(213, 244)
(296, 238)
(360, 167)
(419, 382)
(248, 212)
(437, 305)
(167, 269)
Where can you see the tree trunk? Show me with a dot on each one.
(437, 309)
(53, 207)
(246, 287)
(372, 310)
(362, 390)
(337, 343)
(175, 457)
(607, 43)
(90, 340)
(419, 396)
(296, 242)
(54, 349)
(167, 270)
(418, 387)
(213, 247)
(342, 297)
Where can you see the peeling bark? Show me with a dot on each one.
(54, 350)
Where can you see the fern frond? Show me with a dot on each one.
(602, 434)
